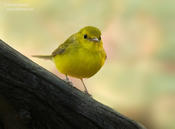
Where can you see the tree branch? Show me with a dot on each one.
(33, 98)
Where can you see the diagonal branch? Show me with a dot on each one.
(36, 99)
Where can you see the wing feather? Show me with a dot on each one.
(63, 47)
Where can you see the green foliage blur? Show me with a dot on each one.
(138, 78)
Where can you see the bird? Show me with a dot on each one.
(80, 56)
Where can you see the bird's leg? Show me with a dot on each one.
(86, 91)
(68, 81)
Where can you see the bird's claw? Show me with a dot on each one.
(69, 82)
(86, 92)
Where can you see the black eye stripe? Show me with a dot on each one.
(85, 36)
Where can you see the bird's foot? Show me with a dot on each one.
(86, 92)
(69, 82)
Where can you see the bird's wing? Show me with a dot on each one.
(62, 48)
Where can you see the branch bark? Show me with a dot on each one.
(33, 98)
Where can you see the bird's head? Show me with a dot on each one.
(90, 34)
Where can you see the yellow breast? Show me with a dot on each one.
(81, 62)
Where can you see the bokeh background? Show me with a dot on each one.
(138, 78)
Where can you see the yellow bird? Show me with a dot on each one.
(81, 55)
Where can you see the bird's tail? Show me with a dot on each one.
(47, 57)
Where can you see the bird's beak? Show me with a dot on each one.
(95, 39)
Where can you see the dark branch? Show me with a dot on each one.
(33, 98)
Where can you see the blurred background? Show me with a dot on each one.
(138, 78)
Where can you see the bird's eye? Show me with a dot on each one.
(85, 36)
(99, 38)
